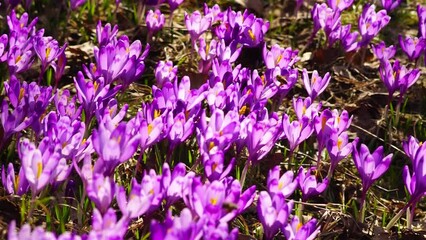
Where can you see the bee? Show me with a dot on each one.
(281, 79)
(229, 206)
(216, 24)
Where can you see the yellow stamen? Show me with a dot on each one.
(21, 93)
(339, 143)
(95, 85)
(244, 110)
(323, 121)
(214, 167)
(39, 169)
(18, 59)
(48, 50)
(207, 48)
(279, 59)
(251, 34)
(16, 183)
(149, 128)
(157, 113)
(213, 201)
(299, 226)
(211, 145)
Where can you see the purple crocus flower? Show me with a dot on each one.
(19, 60)
(197, 24)
(260, 135)
(254, 32)
(14, 184)
(339, 5)
(47, 50)
(397, 77)
(165, 72)
(175, 182)
(101, 191)
(305, 108)
(219, 231)
(338, 148)
(59, 66)
(411, 147)
(154, 21)
(315, 85)
(207, 200)
(66, 132)
(390, 5)
(382, 52)
(13, 122)
(207, 52)
(66, 106)
(412, 46)
(174, 4)
(279, 57)
(370, 23)
(295, 230)
(285, 185)
(150, 132)
(106, 34)
(371, 166)
(348, 39)
(296, 131)
(91, 93)
(214, 165)
(3, 44)
(76, 3)
(273, 213)
(113, 145)
(421, 13)
(227, 52)
(106, 226)
(138, 202)
(180, 128)
(325, 18)
(38, 163)
(26, 233)
(309, 185)
(415, 182)
(178, 227)
(219, 132)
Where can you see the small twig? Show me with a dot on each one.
(378, 138)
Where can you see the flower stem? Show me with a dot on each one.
(361, 214)
(244, 173)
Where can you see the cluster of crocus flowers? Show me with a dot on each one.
(328, 17)
(397, 77)
(274, 211)
(414, 47)
(228, 25)
(229, 116)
